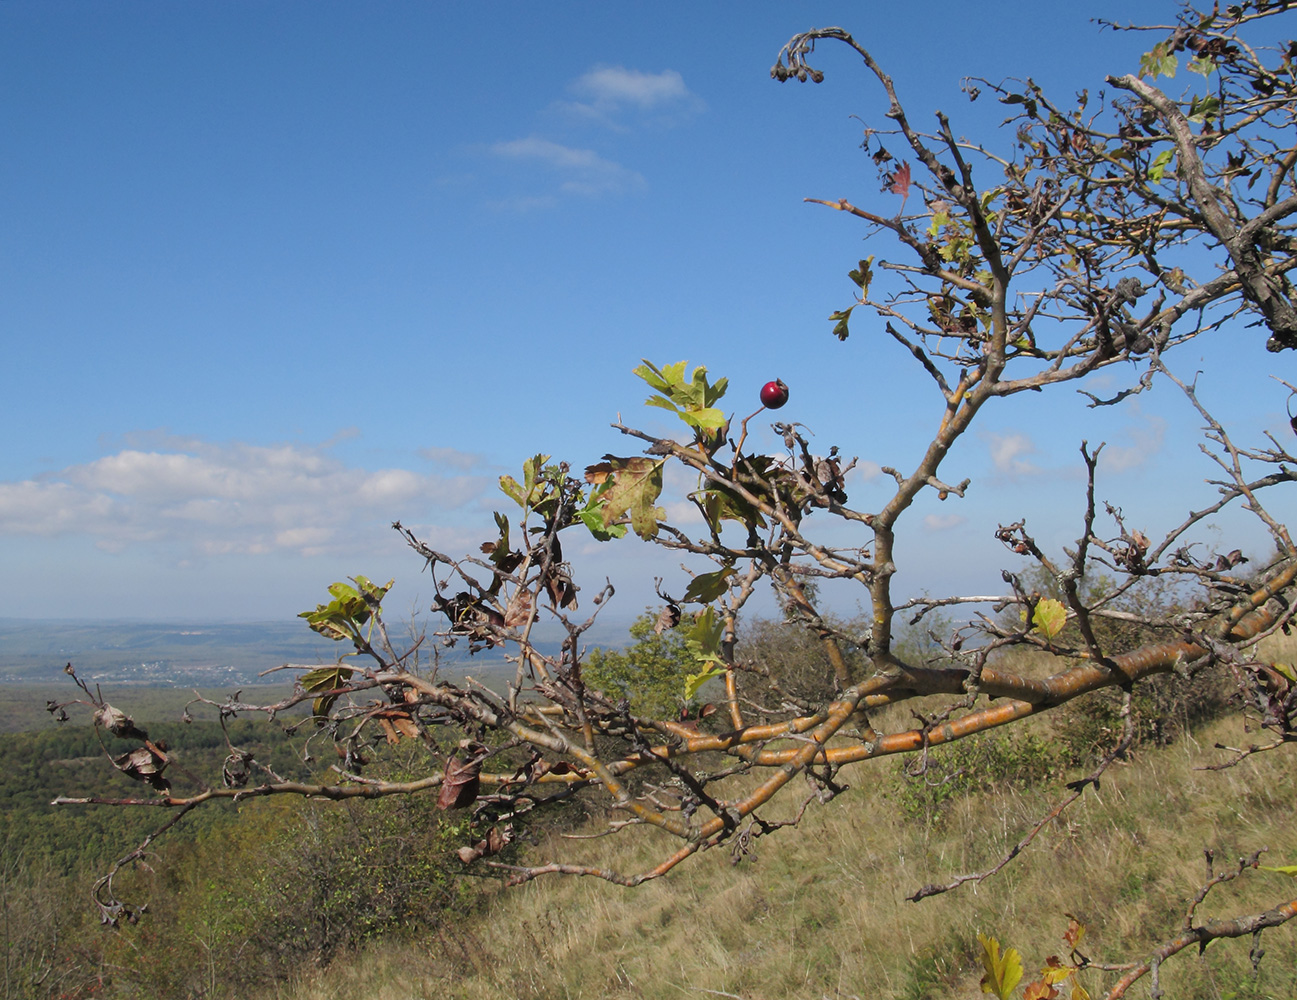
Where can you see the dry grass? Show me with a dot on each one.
(821, 912)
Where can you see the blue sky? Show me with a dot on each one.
(275, 274)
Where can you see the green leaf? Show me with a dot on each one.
(1203, 108)
(1157, 168)
(703, 640)
(1289, 870)
(509, 486)
(863, 275)
(1003, 972)
(325, 679)
(695, 681)
(1204, 67)
(591, 515)
(840, 320)
(593, 519)
(343, 617)
(721, 504)
(709, 419)
(690, 399)
(532, 490)
(1049, 617)
(707, 587)
(1161, 61)
(633, 487)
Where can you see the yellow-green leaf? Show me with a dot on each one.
(703, 639)
(707, 587)
(1289, 870)
(635, 486)
(1287, 670)
(324, 679)
(1003, 971)
(1049, 617)
(695, 681)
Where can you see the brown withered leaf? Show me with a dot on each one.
(118, 723)
(1039, 990)
(1230, 560)
(519, 608)
(145, 764)
(562, 591)
(669, 618)
(389, 731)
(900, 183)
(597, 474)
(460, 786)
(495, 841)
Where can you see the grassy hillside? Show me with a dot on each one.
(821, 911)
(276, 886)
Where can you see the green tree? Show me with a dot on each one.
(650, 673)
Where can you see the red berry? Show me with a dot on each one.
(774, 394)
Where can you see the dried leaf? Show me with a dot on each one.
(496, 840)
(118, 723)
(669, 618)
(519, 608)
(901, 181)
(460, 786)
(597, 475)
(145, 764)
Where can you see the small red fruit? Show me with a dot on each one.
(774, 394)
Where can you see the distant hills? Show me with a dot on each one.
(205, 654)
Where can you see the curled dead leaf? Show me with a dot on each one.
(669, 618)
(145, 764)
(460, 786)
(118, 723)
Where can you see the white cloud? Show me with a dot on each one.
(1007, 451)
(1146, 439)
(617, 85)
(607, 93)
(202, 498)
(943, 522)
(582, 171)
(865, 471)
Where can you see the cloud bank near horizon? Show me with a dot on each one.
(202, 499)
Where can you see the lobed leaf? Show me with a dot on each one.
(1003, 971)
